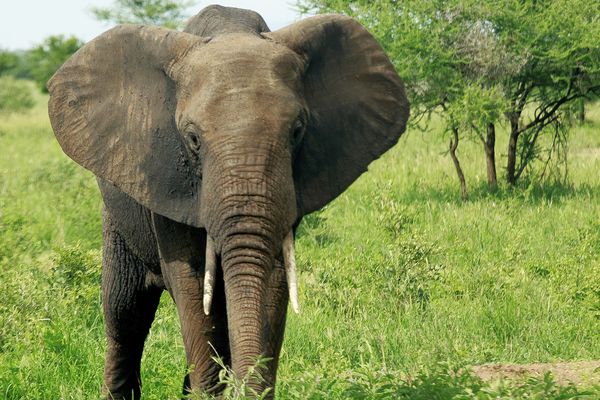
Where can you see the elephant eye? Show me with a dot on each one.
(192, 137)
(299, 128)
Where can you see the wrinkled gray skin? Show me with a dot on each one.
(229, 131)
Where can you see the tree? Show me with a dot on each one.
(558, 42)
(477, 63)
(433, 50)
(8, 62)
(14, 63)
(47, 57)
(15, 95)
(168, 13)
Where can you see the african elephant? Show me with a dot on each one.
(209, 146)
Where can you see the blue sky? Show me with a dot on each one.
(24, 23)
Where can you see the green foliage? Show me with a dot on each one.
(9, 61)
(46, 58)
(77, 273)
(439, 381)
(15, 95)
(235, 387)
(402, 286)
(168, 13)
(477, 62)
(477, 106)
(440, 48)
(15, 63)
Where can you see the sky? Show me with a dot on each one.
(25, 23)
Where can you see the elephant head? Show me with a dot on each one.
(241, 134)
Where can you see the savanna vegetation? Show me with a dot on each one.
(168, 13)
(37, 64)
(403, 284)
(528, 64)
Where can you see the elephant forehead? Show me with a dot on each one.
(241, 80)
(242, 109)
(241, 59)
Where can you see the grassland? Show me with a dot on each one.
(403, 286)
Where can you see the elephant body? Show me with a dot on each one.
(209, 145)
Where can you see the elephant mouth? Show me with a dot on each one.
(289, 260)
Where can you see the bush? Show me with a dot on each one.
(15, 95)
(15, 63)
(46, 58)
(8, 62)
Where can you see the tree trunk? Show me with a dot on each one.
(511, 162)
(581, 111)
(464, 194)
(490, 156)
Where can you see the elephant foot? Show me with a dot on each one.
(210, 385)
(124, 389)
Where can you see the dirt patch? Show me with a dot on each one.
(578, 373)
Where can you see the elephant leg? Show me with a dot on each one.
(182, 253)
(129, 303)
(277, 301)
(204, 336)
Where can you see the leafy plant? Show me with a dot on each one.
(15, 95)
(15, 63)
(235, 387)
(168, 13)
(507, 277)
(47, 57)
(478, 64)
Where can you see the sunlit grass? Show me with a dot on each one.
(402, 285)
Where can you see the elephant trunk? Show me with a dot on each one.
(247, 263)
(250, 206)
(289, 260)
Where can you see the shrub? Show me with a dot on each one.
(15, 95)
(46, 58)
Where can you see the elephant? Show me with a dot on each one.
(209, 145)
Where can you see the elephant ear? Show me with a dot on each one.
(357, 104)
(112, 107)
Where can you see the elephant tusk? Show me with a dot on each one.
(289, 259)
(210, 270)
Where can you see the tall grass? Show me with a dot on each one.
(402, 285)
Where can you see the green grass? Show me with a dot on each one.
(402, 285)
